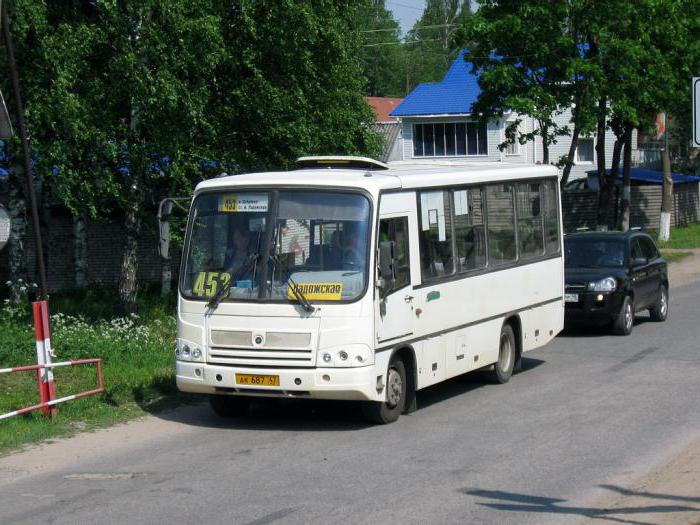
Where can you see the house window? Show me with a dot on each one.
(584, 151)
(449, 139)
(513, 148)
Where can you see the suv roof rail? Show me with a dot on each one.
(340, 161)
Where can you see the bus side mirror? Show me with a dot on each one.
(387, 266)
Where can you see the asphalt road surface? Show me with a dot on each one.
(589, 413)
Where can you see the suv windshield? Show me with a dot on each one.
(593, 252)
(253, 242)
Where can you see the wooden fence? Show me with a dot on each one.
(580, 208)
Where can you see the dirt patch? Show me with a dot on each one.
(686, 270)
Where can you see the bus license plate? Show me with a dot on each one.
(571, 297)
(257, 380)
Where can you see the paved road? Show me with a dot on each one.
(589, 414)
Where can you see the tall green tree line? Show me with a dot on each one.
(129, 101)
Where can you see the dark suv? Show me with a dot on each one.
(612, 275)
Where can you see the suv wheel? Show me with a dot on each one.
(625, 319)
(659, 312)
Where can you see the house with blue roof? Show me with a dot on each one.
(437, 123)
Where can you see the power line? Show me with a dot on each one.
(404, 5)
(402, 43)
(412, 29)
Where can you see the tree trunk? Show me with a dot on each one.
(667, 197)
(80, 244)
(127, 278)
(16, 248)
(544, 133)
(606, 185)
(600, 139)
(166, 270)
(570, 157)
(626, 188)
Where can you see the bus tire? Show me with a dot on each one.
(507, 355)
(229, 406)
(388, 411)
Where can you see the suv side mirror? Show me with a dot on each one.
(639, 261)
(387, 266)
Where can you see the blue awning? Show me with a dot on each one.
(650, 176)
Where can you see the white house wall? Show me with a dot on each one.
(561, 148)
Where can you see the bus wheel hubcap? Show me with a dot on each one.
(506, 352)
(394, 387)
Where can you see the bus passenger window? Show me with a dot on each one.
(501, 224)
(470, 236)
(551, 216)
(530, 225)
(396, 230)
(435, 234)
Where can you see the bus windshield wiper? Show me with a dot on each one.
(294, 287)
(247, 265)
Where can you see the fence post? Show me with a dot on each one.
(47, 388)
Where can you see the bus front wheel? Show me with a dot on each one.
(229, 406)
(503, 368)
(389, 410)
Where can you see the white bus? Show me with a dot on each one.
(351, 279)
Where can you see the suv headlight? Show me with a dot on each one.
(609, 284)
(345, 356)
(187, 350)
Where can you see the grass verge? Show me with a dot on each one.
(137, 354)
(681, 237)
(674, 256)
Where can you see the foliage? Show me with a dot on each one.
(128, 101)
(382, 55)
(683, 237)
(533, 58)
(431, 47)
(137, 353)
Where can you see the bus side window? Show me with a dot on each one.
(435, 234)
(396, 230)
(470, 236)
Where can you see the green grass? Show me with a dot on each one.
(137, 354)
(674, 256)
(681, 237)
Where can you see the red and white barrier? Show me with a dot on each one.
(47, 388)
(44, 369)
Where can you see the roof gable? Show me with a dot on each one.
(453, 95)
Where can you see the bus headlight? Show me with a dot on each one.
(346, 356)
(609, 284)
(187, 351)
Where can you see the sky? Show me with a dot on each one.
(406, 12)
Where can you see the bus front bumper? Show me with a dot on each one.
(357, 383)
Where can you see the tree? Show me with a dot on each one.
(126, 100)
(534, 57)
(117, 100)
(382, 56)
(430, 46)
(283, 93)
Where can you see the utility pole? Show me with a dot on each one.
(19, 110)
(667, 196)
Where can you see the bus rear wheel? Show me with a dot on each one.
(388, 411)
(503, 369)
(229, 406)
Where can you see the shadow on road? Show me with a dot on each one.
(580, 329)
(514, 502)
(311, 415)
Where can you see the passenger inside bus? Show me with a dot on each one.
(238, 248)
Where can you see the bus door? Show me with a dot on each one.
(395, 314)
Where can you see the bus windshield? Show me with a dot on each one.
(253, 243)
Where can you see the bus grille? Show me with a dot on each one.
(261, 357)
